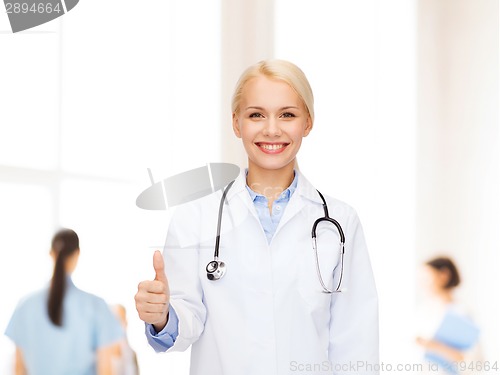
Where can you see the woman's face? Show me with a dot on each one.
(434, 279)
(271, 122)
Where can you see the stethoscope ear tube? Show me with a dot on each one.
(315, 247)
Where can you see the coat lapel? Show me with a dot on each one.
(239, 190)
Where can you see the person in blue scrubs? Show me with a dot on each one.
(450, 336)
(62, 330)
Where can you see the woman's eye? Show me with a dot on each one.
(288, 114)
(255, 115)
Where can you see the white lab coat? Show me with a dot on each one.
(268, 314)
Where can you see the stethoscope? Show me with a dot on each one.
(216, 268)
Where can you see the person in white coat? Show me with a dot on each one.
(270, 312)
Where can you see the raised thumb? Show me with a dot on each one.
(159, 266)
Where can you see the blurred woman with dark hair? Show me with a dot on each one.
(446, 276)
(453, 338)
(62, 329)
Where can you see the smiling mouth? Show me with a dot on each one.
(272, 148)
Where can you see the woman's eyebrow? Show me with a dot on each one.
(281, 109)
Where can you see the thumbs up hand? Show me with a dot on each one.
(159, 266)
(153, 296)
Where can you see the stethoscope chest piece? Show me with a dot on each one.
(215, 270)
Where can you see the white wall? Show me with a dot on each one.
(458, 176)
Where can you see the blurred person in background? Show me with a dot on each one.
(124, 358)
(448, 334)
(62, 330)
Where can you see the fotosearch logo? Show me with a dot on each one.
(25, 14)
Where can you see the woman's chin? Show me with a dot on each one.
(271, 165)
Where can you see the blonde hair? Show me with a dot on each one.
(281, 70)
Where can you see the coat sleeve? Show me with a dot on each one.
(354, 332)
(182, 267)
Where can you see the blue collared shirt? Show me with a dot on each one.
(270, 220)
(165, 339)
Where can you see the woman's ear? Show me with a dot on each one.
(309, 125)
(236, 125)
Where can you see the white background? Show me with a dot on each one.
(406, 131)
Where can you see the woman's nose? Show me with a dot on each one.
(272, 128)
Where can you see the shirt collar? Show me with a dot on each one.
(286, 194)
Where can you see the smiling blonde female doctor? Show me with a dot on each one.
(269, 313)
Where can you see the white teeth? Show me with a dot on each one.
(272, 147)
